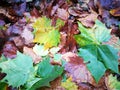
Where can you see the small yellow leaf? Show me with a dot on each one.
(69, 85)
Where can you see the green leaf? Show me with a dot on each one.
(99, 58)
(108, 55)
(112, 83)
(17, 70)
(3, 86)
(59, 23)
(99, 33)
(90, 56)
(47, 73)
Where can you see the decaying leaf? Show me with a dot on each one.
(62, 13)
(29, 51)
(9, 50)
(77, 69)
(27, 35)
(89, 20)
(115, 12)
(69, 85)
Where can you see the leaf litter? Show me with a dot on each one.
(59, 44)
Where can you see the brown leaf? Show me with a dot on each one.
(27, 35)
(31, 53)
(9, 50)
(115, 12)
(35, 13)
(77, 69)
(77, 11)
(89, 20)
(62, 13)
(55, 85)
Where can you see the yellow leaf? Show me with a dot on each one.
(69, 85)
(45, 33)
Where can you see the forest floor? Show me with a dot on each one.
(59, 44)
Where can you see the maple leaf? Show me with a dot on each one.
(99, 33)
(45, 33)
(17, 70)
(112, 83)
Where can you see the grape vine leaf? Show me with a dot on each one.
(112, 83)
(17, 70)
(45, 33)
(99, 58)
(99, 33)
(47, 73)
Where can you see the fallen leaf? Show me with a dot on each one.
(9, 50)
(62, 13)
(27, 35)
(95, 35)
(89, 20)
(77, 68)
(112, 83)
(115, 12)
(69, 85)
(100, 58)
(22, 65)
(40, 51)
(29, 51)
(45, 33)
